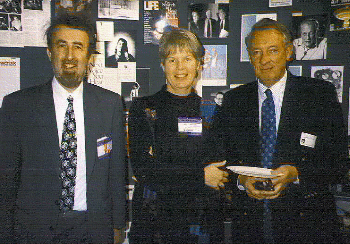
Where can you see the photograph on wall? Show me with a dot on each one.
(339, 15)
(248, 20)
(33, 4)
(333, 74)
(158, 17)
(280, 3)
(215, 65)
(119, 9)
(295, 70)
(138, 88)
(121, 48)
(73, 6)
(209, 20)
(212, 97)
(309, 39)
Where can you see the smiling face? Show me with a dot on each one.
(69, 55)
(181, 70)
(269, 54)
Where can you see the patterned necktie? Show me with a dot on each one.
(268, 129)
(68, 157)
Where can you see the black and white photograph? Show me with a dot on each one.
(15, 22)
(4, 22)
(119, 9)
(33, 4)
(10, 6)
(139, 88)
(333, 74)
(120, 49)
(309, 41)
(209, 20)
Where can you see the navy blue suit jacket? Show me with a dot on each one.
(29, 160)
(306, 209)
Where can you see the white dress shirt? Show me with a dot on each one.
(277, 94)
(60, 96)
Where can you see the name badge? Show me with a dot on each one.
(190, 126)
(308, 140)
(104, 147)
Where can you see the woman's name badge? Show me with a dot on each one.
(190, 126)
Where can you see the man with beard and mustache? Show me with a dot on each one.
(62, 150)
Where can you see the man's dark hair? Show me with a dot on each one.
(268, 24)
(78, 21)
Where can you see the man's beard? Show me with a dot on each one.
(70, 79)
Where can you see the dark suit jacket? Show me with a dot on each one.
(306, 213)
(30, 167)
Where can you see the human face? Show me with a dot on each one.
(181, 70)
(218, 99)
(69, 55)
(119, 47)
(195, 17)
(221, 14)
(269, 55)
(308, 35)
(208, 13)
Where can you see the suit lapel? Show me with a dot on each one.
(93, 123)
(47, 118)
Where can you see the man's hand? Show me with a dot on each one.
(282, 177)
(119, 236)
(214, 176)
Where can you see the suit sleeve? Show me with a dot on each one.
(117, 167)
(10, 163)
(140, 141)
(329, 164)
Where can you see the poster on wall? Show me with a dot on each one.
(24, 24)
(9, 76)
(119, 9)
(333, 74)
(339, 15)
(309, 41)
(248, 20)
(209, 20)
(158, 17)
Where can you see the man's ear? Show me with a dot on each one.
(48, 53)
(161, 65)
(290, 50)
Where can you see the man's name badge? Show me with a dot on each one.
(104, 146)
(190, 126)
(308, 140)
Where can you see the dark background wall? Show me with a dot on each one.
(36, 69)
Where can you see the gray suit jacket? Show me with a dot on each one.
(29, 160)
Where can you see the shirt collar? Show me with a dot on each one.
(61, 92)
(277, 88)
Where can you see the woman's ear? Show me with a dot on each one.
(48, 53)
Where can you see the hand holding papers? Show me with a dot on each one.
(252, 171)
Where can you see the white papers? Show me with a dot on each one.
(9, 76)
(252, 171)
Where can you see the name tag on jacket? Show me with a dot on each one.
(308, 140)
(104, 146)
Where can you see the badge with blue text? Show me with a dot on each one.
(104, 147)
(190, 126)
